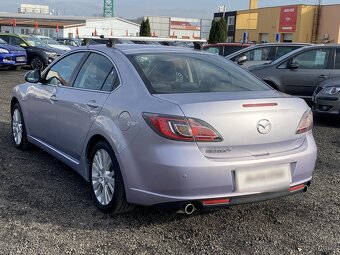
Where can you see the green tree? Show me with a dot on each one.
(212, 34)
(218, 31)
(221, 33)
(145, 29)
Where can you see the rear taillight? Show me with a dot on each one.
(306, 123)
(181, 128)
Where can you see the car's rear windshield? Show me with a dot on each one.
(170, 73)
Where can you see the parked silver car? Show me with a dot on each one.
(301, 71)
(153, 125)
(263, 53)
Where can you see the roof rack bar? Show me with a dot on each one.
(112, 40)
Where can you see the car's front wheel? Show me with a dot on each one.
(37, 63)
(19, 134)
(106, 180)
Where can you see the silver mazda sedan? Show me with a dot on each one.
(173, 127)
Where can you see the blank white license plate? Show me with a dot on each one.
(20, 59)
(270, 178)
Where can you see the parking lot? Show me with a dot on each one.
(46, 208)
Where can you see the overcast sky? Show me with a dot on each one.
(137, 8)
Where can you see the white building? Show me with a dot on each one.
(184, 28)
(102, 26)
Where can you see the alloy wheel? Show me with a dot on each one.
(17, 127)
(103, 179)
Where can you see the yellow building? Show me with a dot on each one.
(294, 23)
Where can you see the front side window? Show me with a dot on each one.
(61, 72)
(192, 73)
(96, 74)
(312, 59)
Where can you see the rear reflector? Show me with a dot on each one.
(259, 105)
(219, 201)
(296, 188)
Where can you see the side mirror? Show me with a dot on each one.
(294, 66)
(33, 76)
(241, 60)
(24, 45)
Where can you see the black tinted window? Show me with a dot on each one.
(337, 59)
(231, 49)
(5, 38)
(281, 51)
(193, 73)
(17, 41)
(60, 73)
(94, 73)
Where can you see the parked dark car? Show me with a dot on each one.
(39, 54)
(225, 49)
(301, 71)
(326, 97)
(12, 56)
(263, 53)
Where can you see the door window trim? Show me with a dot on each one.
(79, 66)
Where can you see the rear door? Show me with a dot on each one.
(314, 66)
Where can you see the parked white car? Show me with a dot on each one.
(53, 43)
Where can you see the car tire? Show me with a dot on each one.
(37, 63)
(107, 186)
(19, 135)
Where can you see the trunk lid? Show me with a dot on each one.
(243, 123)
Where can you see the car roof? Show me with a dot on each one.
(261, 45)
(228, 44)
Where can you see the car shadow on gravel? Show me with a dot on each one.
(327, 121)
(35, 187)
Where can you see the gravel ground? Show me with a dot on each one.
(45, 208)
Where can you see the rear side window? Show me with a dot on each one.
(261, 54)
(97, 73)
(61, 72)
(192, 73)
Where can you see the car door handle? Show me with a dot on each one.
(54, 98)
(322, 76)
(92, 104)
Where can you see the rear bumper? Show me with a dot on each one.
(181, 173)
(238, 200)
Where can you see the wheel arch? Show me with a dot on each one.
(13, 102)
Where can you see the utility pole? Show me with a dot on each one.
(108, 8)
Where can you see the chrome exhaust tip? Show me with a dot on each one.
(188, 209)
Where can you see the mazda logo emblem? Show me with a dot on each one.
(264, 127)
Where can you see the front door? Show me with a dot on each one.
(312, 67)
(77, 106)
